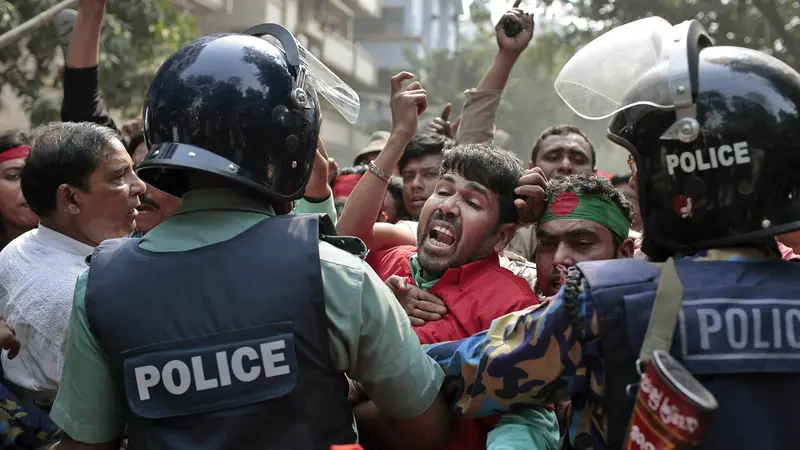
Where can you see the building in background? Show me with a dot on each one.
(406, 31)
(327, 28)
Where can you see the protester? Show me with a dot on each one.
(586, 219)
(419, 169)
(79, 180)
(15, 215)
(465, 223)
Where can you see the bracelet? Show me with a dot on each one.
(380, 173)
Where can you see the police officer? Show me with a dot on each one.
(714, 133)
(248, 319)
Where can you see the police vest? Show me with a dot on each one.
(738, 332)
(224, 346)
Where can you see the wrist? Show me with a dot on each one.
(399, 137)
(507, 57)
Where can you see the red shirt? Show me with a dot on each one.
(475, 295)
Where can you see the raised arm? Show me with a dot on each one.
(366, 200)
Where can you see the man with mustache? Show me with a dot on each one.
(465, 223)
(79, 180)
(560, 150)
(586, 219)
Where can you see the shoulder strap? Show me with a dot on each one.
(664, 316)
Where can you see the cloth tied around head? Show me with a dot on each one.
(571, 205)
(20, 152)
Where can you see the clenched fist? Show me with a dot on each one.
(408, 103)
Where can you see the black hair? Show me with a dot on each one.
(134, 142)
(590, 184)
(358, 170)
(12, 139)
(562, 130)
(62, 153)
(497, 169)
(424, 144)
(616, 180)
(395, 189)
(593, 184)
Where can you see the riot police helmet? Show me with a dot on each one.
(713, 132)
(237, 106)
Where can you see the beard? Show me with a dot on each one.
(439, 246)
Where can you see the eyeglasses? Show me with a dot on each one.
(632, 165)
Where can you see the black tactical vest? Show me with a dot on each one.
(224, 346)
(738, 332)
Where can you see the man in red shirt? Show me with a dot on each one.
(468, 220)
(464, 225)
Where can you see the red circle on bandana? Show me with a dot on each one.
(564, 204)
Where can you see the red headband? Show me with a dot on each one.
(343, 185)
(20, 152)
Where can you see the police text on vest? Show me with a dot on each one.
(242, 364)
(740, 335)
(710, 158)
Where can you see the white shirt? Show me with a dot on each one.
(38, 273)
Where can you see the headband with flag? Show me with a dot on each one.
(570, 205)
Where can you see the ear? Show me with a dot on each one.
(68, 198)
(626, 249)
(503, 236)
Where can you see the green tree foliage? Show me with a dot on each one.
(137, 36)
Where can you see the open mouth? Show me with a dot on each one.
(441, 237)
(145, 208)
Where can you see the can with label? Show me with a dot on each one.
(672, 410)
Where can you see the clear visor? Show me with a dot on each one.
(338, 93)
(594, 82)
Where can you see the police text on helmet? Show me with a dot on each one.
(177, 377)
(710, 158)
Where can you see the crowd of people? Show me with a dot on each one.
(207, 277)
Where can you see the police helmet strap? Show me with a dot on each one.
(688, 38)
(299, 73)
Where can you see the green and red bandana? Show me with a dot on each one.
(569, 205)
